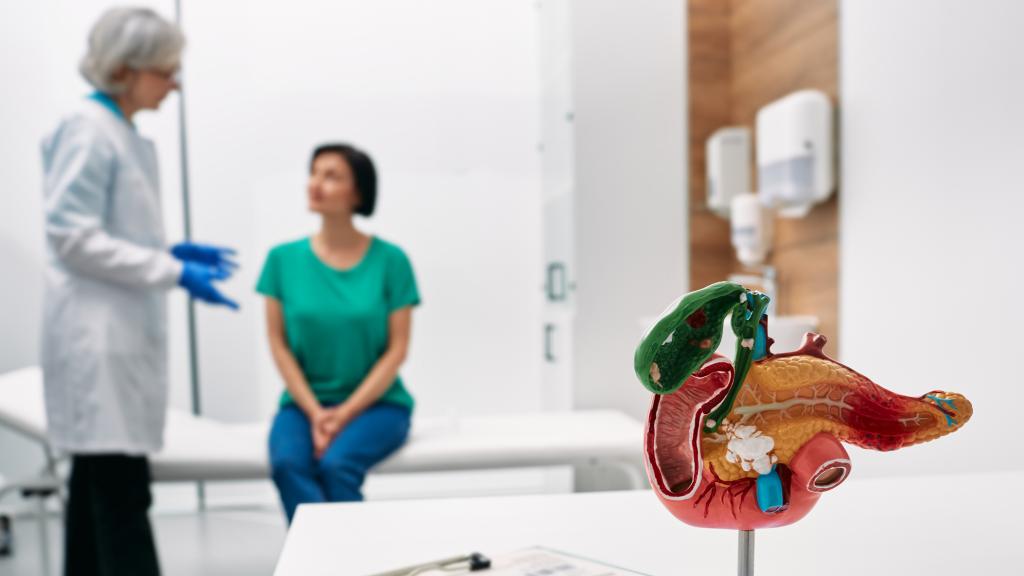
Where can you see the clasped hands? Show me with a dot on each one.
(326, 424)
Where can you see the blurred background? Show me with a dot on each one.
(549, 167)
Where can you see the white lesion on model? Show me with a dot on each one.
(655, 373)
(749, 447)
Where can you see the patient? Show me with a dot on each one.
(339, 311)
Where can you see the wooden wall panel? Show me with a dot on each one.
(709, 87)
(772, 48)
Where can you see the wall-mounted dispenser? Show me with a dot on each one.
(795, 158)
(752, 228)
(727, 154)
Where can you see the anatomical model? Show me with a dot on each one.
(753, 443)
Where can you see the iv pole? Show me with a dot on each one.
(193, 353)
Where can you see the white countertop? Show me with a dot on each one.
(952, 524)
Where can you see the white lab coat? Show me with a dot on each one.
(104, 349)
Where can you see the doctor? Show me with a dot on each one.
(105, 331)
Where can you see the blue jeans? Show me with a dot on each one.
(338, 475)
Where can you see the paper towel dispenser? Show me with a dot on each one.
(795, 152)
(727, 153)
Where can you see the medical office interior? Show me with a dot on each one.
(558, 172)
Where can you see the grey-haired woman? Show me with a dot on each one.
(108, 268)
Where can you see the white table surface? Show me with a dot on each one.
(954, 524)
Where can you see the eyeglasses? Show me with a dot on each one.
(173, 75)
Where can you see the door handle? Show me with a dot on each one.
(556, 283)
(549, 330)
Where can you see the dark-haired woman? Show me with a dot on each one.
(339, 311)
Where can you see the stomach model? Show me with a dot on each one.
(753, 443)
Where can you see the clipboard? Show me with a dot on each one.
(534, 561)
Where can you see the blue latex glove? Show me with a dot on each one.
(217, 256)
(198, 279)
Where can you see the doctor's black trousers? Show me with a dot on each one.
(107, 530)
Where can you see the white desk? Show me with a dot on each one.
(955, 525)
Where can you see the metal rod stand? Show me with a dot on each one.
(186, 213)
(746, 553)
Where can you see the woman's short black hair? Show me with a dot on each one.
(362, 170)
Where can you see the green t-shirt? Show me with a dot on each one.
(336, 321)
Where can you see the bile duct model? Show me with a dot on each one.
(753, 444)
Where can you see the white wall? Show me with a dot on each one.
(39, 56)
(931, 205)
(629, 72)
(444, 96)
